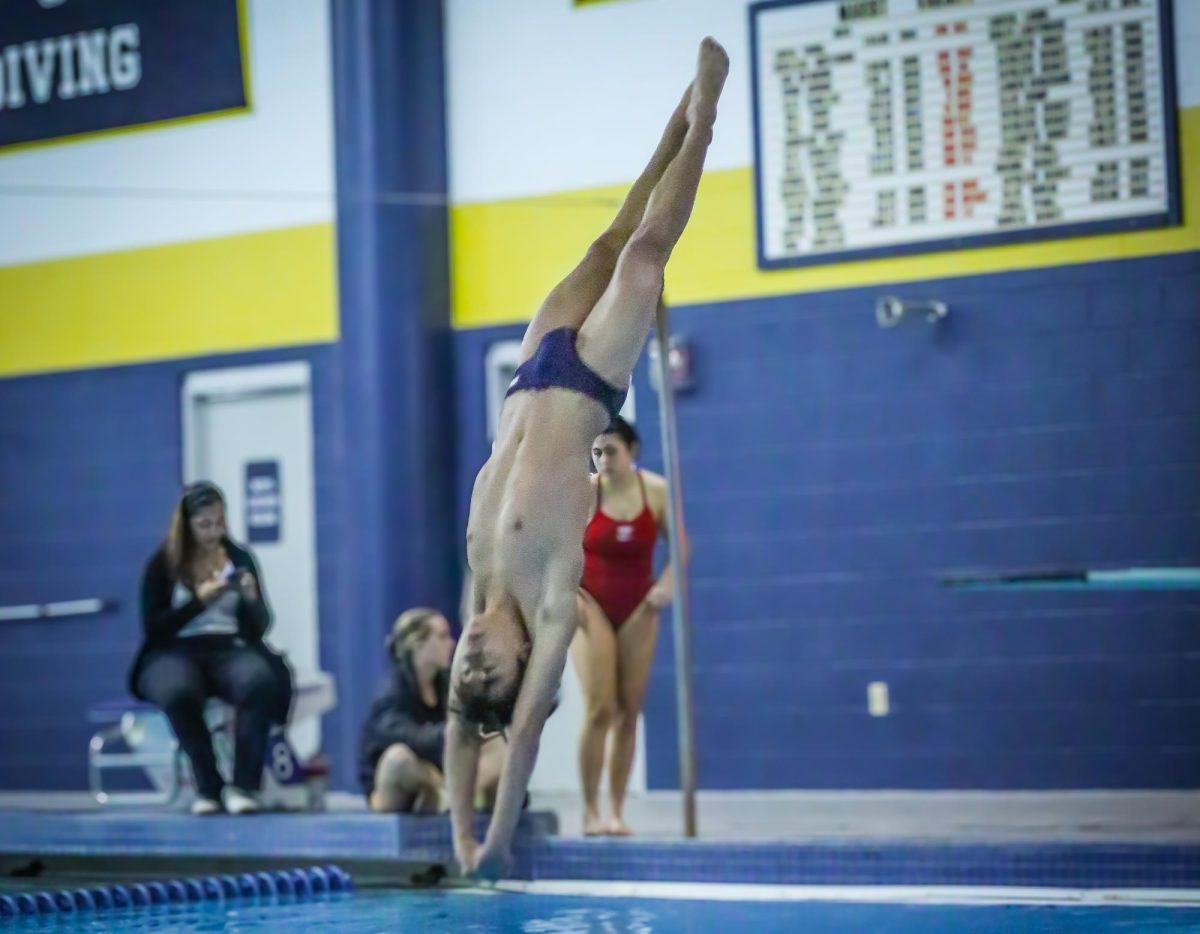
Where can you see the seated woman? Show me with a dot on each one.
(400, 764)
(204, 615)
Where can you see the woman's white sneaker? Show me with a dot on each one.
(240, 802)
(203, 807)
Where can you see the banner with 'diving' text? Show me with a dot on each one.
(72, 67)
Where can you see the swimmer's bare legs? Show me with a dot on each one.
(612, 336)
(569, 302)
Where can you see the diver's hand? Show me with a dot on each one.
(491, 863)
(465, 851)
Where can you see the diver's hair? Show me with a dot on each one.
(484, 702)
(488, 706)
(625, 431)
(483, 706)
(487, 712)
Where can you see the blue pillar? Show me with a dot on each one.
(399, 543)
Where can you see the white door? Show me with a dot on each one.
(249, 430)
(557, 768)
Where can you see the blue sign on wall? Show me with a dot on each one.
(71, 67)
(264, 502)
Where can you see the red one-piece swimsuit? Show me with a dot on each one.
(618, 559)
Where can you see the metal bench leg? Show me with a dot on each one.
(99, 760)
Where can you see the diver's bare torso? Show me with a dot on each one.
(530, 502)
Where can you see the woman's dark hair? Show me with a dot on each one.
(180, 545)
(623, 430)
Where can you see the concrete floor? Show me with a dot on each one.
(1083, 816)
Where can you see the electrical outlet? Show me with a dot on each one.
(878, 704)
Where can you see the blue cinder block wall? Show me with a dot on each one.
(834, 471)
(90, 467)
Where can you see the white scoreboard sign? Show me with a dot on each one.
(903, 126)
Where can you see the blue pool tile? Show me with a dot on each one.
(902, 863)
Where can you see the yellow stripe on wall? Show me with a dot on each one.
(246, 292)
(507, 255)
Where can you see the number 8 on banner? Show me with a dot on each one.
(281, 758)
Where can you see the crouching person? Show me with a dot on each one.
(400, 763)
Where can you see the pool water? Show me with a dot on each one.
(460, 912)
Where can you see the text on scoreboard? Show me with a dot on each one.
(904, 126)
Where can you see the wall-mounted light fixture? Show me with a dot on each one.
(890, 310)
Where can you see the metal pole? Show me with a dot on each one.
(679, 605)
